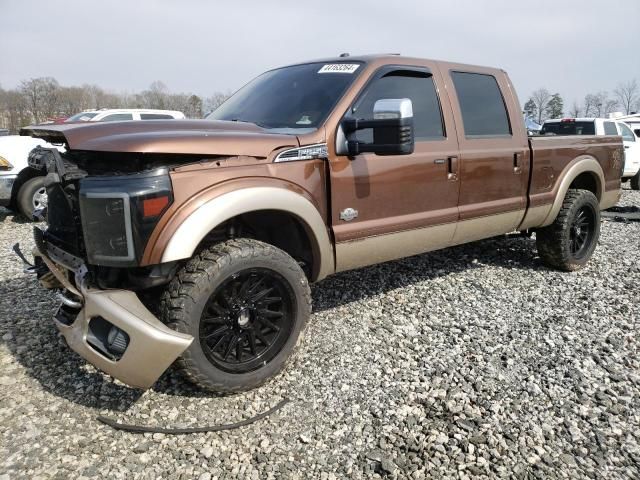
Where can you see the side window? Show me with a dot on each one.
(117, 117)
(415, 85)
(610, 128)
(484, 113)
(627, 134)
(155, 116)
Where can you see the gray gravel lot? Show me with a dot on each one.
(476, 360)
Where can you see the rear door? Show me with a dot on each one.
(494, 152)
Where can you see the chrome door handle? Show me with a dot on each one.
(517, 169)
(452, 168)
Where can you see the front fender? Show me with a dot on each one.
(202, 220)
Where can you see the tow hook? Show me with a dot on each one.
(68, 301)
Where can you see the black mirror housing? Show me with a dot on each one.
(391, 136)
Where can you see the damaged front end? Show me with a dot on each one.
(91, 230)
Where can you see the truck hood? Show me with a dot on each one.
(203, 137)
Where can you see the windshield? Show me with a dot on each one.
(81, 117)
(568, 128)
(296, 97)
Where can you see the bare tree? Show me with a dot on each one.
(595, 103)
(540, 99)
(15, 112)
(611, 105)
(575, 110)
(214, 101)
(41, 95)
(628, 93)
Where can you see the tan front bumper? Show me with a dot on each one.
(152, 345)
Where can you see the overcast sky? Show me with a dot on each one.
(571, 46)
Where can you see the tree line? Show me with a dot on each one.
(39, 99)
(543, 105)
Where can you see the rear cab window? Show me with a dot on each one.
(569, 127)
(610, 128)
(484, 112)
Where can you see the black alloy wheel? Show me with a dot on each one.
(582, 231)
(247, 320)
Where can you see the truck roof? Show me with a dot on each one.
(392, 58)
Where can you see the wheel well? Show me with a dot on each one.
(280, 229)
(24, 175)
(587, 181)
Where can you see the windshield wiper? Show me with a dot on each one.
(247, 121)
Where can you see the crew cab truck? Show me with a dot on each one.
(196, 241)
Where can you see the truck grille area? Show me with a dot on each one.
(62, 218)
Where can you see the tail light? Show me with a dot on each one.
(118, 214)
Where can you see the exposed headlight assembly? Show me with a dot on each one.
(119, 213)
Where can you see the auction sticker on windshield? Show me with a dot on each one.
(339, 68)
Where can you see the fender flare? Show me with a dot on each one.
(584, 164)
(212, 213)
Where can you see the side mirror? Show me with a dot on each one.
(392, 126)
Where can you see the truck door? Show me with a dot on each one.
(494, 152)
(390, 206)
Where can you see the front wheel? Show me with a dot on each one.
(635, 181)
(245, 303)
(568, 243)
(32, 195)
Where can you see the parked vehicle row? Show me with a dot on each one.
(308, 170)
(601, 127)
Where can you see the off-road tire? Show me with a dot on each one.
(183, 302)
(26, 194)
(554, 241)
(635, 181)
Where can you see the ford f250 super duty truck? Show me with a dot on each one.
(196, 241)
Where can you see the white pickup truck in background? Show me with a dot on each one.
(21, 188)
(602, 126)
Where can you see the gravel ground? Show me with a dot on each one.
(476, 360)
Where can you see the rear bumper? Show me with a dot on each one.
(6, 186)
(152, 346)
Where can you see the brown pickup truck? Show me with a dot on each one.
(196, 240)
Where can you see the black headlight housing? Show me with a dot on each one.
(118, 214)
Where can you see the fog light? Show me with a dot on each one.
(117, 340)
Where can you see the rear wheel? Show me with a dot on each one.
(32, 195)
(635, 181)
(568, 243)
(245, 303)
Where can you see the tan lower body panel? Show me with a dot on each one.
(382, 248)
(535, 216)
(487, 227)
(610, 198)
